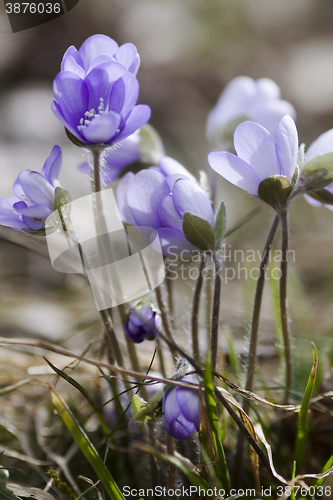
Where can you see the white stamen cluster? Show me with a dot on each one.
(91, 114)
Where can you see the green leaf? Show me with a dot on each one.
(321, 195)
(220, 468)
(61, 198)
(220, 226)
(142, 411)
(151, 145)
(275, 190)
(318, 172)
(86, 446)
(327, 466)
(198, 231)
(302, 419)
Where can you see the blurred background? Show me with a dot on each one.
(190, 49)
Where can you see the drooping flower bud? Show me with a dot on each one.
(142, 323)
(181, 409)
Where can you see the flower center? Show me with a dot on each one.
(89, 115)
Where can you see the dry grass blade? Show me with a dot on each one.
(41, 344)
(249, 426)
(261, 436)
(30, 460)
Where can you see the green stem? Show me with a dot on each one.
(254, 341)
(216, 312)
(283, 302)
(195, 310)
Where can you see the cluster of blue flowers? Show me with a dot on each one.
(96, 94)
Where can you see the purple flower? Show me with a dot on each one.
(246, 99)
(322, 145)
(34, 196)
(142, 323)
(181, 409)
(259, 155)
(117, 158)
(95, 95)
(99, 49)
(158, 197)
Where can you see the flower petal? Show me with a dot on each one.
(122, 204)
(188, 401)
(71, 52)
(189, 197)
(139, 116)
(256, 146)
(233, 101)
(312, 201)
(8, 216)
(169, 166)
(287, 146)
(32, 223)
(266, 89)
(99, 86)
(95, 46)
(168, 215)
(235, 170)
(141, 315)
(269, 114)
(145, 193)
(171, 408)
(72, 127)
(101, 128)
(52, 165)
(36, 188)
(72, 96)
(35, 211)
(128, 56)
(173, 242)
(124, 94)
(322, 145)
(70, 64)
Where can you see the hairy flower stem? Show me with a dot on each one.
(254, 341)
(96, 187)
(283, 302)
(169, 283)
(195, 310)
(216, 312)
(209, 301)
(165, 318)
